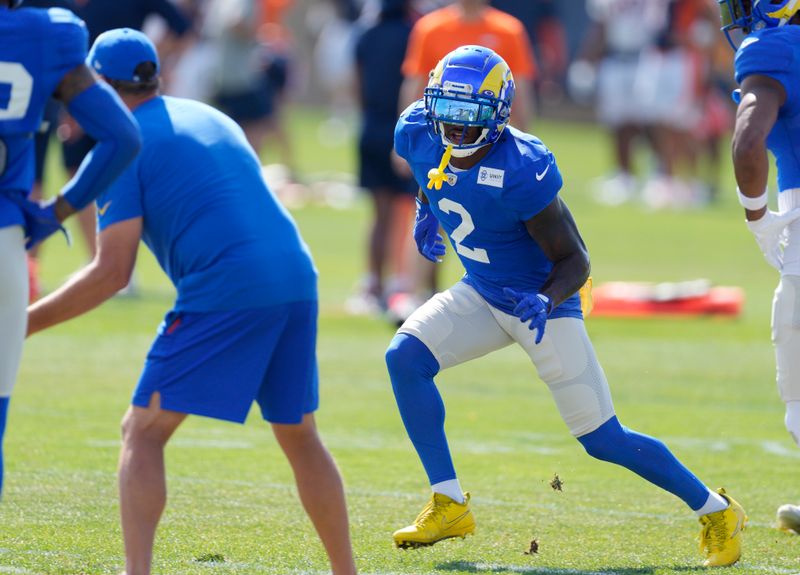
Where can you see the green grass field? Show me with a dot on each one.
(705, 386)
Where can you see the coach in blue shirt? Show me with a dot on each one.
(243, 327)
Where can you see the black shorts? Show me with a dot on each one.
(377, 171)
(247, 106)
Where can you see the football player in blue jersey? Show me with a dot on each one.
(495, 193)
(42, 53)
(767, 67)
(243, 328)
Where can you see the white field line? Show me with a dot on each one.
(532, 443)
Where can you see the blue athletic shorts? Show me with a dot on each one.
(216, 364)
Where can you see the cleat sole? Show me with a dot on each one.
(418, 544)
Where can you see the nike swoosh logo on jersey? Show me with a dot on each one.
(540, 177)
(104, 208)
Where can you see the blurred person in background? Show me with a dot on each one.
(238, 82)
(334, 66)
(243, 328)
(548, 38)
(278, 44)
(434, 35)
(99, 16)
(767, 67)
(675, 108)
(696, 135)
(379, 54)
(622, 47)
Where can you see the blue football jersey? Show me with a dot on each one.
(775, 52)
(484, 209)
(37, 48)
(208, 217)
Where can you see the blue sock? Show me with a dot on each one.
(647, 457)
(411, 369)
(3, 413)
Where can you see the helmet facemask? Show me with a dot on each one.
(454, 112)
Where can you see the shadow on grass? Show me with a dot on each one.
(472, 567)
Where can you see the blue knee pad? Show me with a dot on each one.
(3, 414)
(647, 457)
(411, 369)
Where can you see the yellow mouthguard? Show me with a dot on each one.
(436, 176)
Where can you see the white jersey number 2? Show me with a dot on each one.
(465, 228)
(21, 82)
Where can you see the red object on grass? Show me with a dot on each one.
(695, 298)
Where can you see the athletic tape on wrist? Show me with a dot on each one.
(752, 204)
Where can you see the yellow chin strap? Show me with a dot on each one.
(436, 176)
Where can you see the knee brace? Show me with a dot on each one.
(786, 337)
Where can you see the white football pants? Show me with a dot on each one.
(13, 304)
(786, 307)
(458, 325)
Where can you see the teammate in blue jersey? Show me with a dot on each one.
(767, 67)
(495, 193)
(243, 327)
(42, 53)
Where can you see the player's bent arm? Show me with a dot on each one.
(762, 98)
(103, 116)
(555, 231)
(108, 272)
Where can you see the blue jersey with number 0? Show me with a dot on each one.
(207, 214)
(484, 209)
(775, 52)
(37, 48)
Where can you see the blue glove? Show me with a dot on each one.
(426, 233)
(40, 221)
(531, 307)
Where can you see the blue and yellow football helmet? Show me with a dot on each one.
(750, 15)
(470, 87)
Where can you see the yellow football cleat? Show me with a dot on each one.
(721, 536)
(442, 518)
(789, 518)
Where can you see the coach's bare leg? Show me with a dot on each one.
(142, 481)
(321, 489)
